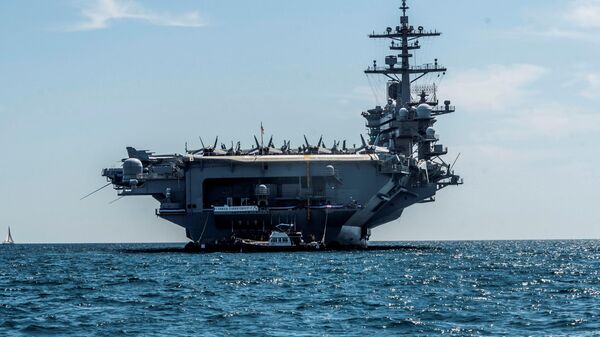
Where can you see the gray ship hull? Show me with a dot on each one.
(325, 197)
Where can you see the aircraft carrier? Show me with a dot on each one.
(332, 195)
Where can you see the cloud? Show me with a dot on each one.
(555, 120)
(561, 33)
(363, 95)
(574, 20)
(584, 13)
(496, 87)
(585, 81)
(503, 96)
(591, 86)
(495, 153)
(101, 13)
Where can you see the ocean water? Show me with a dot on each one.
(451, 288)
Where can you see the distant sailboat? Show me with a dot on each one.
(9, 239)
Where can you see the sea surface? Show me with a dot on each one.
(513, 288)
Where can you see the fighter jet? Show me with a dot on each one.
(318, 149)
(209, 150)
(370, 148)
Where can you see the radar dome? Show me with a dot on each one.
(262, 190)
(403, 113)
(330, 170)
(430, 132)
(132, 167)
(424, 111)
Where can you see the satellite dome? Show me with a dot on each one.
(262, 190)
(424, 111)
(132, 167)
(330, 170)
(430, 132)
(403, 113)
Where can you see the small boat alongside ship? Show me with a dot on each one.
(281, 240)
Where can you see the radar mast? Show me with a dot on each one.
(400, 125)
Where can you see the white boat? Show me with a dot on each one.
(9, 239)
(279, 239)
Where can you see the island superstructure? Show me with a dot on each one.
(332, 195)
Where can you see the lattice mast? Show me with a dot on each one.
(404, 34)
(400, 125)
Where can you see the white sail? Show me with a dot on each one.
(9, 238)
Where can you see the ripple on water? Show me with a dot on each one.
(455, 288)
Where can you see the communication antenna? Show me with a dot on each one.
(117, 199)
(452, 166)
(89, 194)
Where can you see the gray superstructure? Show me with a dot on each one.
(331, 195)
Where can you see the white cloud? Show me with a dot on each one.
(561, 33)
(364, 96)
(504, 96)
(555, 120)
(496, 87)
(100, 13)
(591, 87)
(574, 20)
(496, 153)
(586, 82)
(584, 13)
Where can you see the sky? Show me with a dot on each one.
(81, 80)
